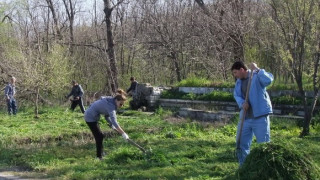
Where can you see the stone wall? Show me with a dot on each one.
(146, 97)
(296, 110)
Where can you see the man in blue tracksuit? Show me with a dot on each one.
(77, 93)
(106, 106)
(9, 92)
(258, 108)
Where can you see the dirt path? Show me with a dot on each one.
(6, 175)
(14, 174)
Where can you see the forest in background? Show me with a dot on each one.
(47, 43)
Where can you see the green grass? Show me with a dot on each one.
(59, 145)
(202, 82)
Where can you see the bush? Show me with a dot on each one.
(290, 100)
(287, 100)
(217, 96)
(213, 96)
(194, 82)
(275, 161)
(172, 94)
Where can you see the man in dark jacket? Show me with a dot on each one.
(77, 93)
(9, 93)
(132, 88)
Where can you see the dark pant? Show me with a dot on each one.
(98, 136)
(12, 106)
(77, 102)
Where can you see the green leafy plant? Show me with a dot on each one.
(217, 96)
(194, 82)
(172, 94)
(291, 100)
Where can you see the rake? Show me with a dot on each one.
(132, 142)
(238, 150)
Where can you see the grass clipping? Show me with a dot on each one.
(275, 161)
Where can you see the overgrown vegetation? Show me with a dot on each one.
(290, 100)
(194, 81)
(59, 145)
(278, 84)
(213, 96)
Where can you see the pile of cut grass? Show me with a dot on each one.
(278, 161)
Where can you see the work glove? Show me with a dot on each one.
(125, 136)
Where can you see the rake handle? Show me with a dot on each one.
(244, 111)
(137, 145)
(133, 143)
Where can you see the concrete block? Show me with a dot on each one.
(231, 108)
(277, 111)
(300, 113)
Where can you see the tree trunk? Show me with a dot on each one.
(55, 19)
(36, 110)
(177, 70)
(111, 53)
(70, 13)
(316, 87)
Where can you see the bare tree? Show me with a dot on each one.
(113, 77)
(298, 21)
(230, 20)
(55, 18)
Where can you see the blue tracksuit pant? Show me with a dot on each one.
(260, 127)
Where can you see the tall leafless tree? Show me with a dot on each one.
(297, 20)
(113, 77)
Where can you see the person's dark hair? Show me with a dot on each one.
(73, 81)
(132, 79)
(238, 65)
(121, 95)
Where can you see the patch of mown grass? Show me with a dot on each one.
(59, 145)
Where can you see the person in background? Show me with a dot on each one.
(77, 93)
(9, 92)
(106, 106)
(257, 108)
(132, 88)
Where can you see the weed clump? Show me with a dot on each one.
(275, 161)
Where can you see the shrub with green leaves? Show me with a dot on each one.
(172, 94)
(291, 100)
(278, 161)
(217, 96)
(287, 100)
(194, 82)
(202, 82)
(213, 96)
